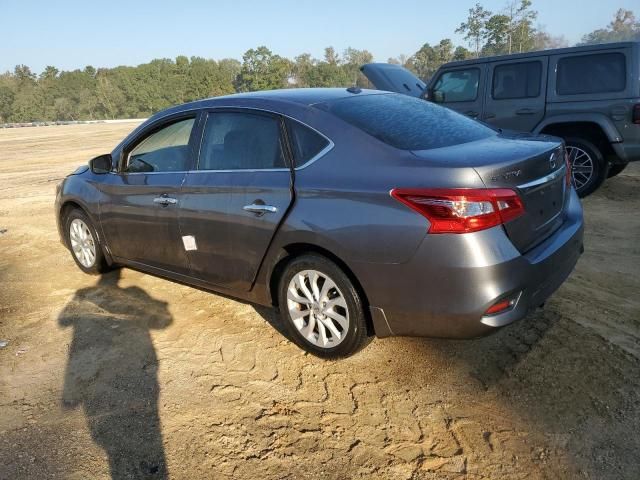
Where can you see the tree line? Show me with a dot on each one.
(132, 92)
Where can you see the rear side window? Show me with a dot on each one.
(517, 80)
(305, 142)
(166, 150)
(406, 122)
(241, 141)
(598, 73)
(457, 86)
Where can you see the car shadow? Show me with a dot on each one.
(112, 374)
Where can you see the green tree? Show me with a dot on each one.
(522, 29)
(474, 29)
(461, 53)
(330, 56)
(6, 103)
(303, 64)
(262, 70)
(428, 59)
(623, 27)
(497, 35)
(353, 59)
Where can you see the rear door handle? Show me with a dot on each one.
(526, 111)
(260, 209)
(164, 201)
(471, 113)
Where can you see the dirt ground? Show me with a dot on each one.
(132, 376)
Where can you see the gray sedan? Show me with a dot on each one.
(354, 212)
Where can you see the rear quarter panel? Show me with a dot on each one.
(343, 203)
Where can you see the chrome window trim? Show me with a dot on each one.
(313, 159)
(541, 181)
(151, 173)
(206, 110)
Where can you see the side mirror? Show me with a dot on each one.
(101, 164)
(437, 96)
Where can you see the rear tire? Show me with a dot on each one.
(616, 168)
(320, 308)
(588, 166)
(83, 243)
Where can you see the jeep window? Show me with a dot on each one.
(517, 80)
(598, 73)
(457, 86)
(406, 122)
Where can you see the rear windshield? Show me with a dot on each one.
(406, 122)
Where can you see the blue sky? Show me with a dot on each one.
(71, 34)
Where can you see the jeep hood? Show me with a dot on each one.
(393, 78)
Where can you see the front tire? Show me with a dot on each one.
(321, 309)
(588, 166)
(83, 243)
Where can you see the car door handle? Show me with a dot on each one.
(526, 111)
(260, 209)
(488, 116)
(164, 201)
(471, 113)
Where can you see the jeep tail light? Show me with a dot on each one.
(462, 210)
(635, 117)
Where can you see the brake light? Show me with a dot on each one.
(635, 117)
(462, 210)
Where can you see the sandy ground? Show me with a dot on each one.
(132, 376)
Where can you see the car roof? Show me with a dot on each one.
(301, 97)
(304, 96)
(540, 53)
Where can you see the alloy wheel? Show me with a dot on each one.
(82, 243)
(317, 308)
(582, 168)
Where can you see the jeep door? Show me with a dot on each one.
(461, 89)
(515, 93)
(237, 195)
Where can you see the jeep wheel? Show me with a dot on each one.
(588, 167)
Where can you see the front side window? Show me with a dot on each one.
(406, 122)
(241, 141)
(598, 73)
(457, 86)
(517, 80)
(166, 150)
(305, 142)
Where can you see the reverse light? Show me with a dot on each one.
(462, 210)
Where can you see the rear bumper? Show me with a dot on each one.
(444, 290)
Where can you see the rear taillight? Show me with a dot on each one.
(635, 117)
(462, 210)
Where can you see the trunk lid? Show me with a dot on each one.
(532, 166)
(393, 78)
